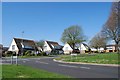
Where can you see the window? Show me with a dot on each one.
(13, 47)
(29, 47)
(66, 48)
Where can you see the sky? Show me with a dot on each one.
(47, 20)
(0, 22)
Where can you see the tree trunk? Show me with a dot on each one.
(116, 47)
(80, 48)
(73, 47)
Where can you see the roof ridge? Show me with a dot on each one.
(52, 41)
(24, 39)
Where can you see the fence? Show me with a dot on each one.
(9, 60)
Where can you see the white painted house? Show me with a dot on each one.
(50, 46)
(20, 45)
(111, 48)
(101, 49)
(93, 49)
(67, 49)
(97, 50)
(13, 46)
(82, 49)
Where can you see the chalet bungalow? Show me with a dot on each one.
(111, 48)
(20, 45)
(52, 47)
(94, 50)
(67, 49)
(82, 49)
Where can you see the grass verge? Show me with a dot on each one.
(30, 56)
(104, 58)
(14, 71)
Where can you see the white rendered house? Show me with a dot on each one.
(67, 49)
(20, 45)
(81, 49)
(50, 46)
(84, 48)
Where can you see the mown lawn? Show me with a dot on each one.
(34, 56)
(30, 56)
(0, 71)
(103, 58)
(14, 71)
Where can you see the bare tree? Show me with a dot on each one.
(111, 28)
(73, 35)
(98, 41)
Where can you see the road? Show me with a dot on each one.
(73, 70)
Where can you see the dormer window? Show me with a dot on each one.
(66, 48)
(13, 47)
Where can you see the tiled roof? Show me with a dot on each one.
(24, 41)
(86, 45)
(111, 45)
(50, 43)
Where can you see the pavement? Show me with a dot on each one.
(68, 69)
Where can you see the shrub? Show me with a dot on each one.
(96, 51)
(39, 54)
(27, 53)
(9, 53)
(32, 54)
(53, 53)
(3, 54)
(43, 54)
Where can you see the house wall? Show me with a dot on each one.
(82, 48)
(101, 49)
(110, 49)
(93, 49)
(67, 49)
(46, 47)
(39, 48)
(16, 48)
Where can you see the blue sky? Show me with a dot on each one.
(0, 22)
(47, 21)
